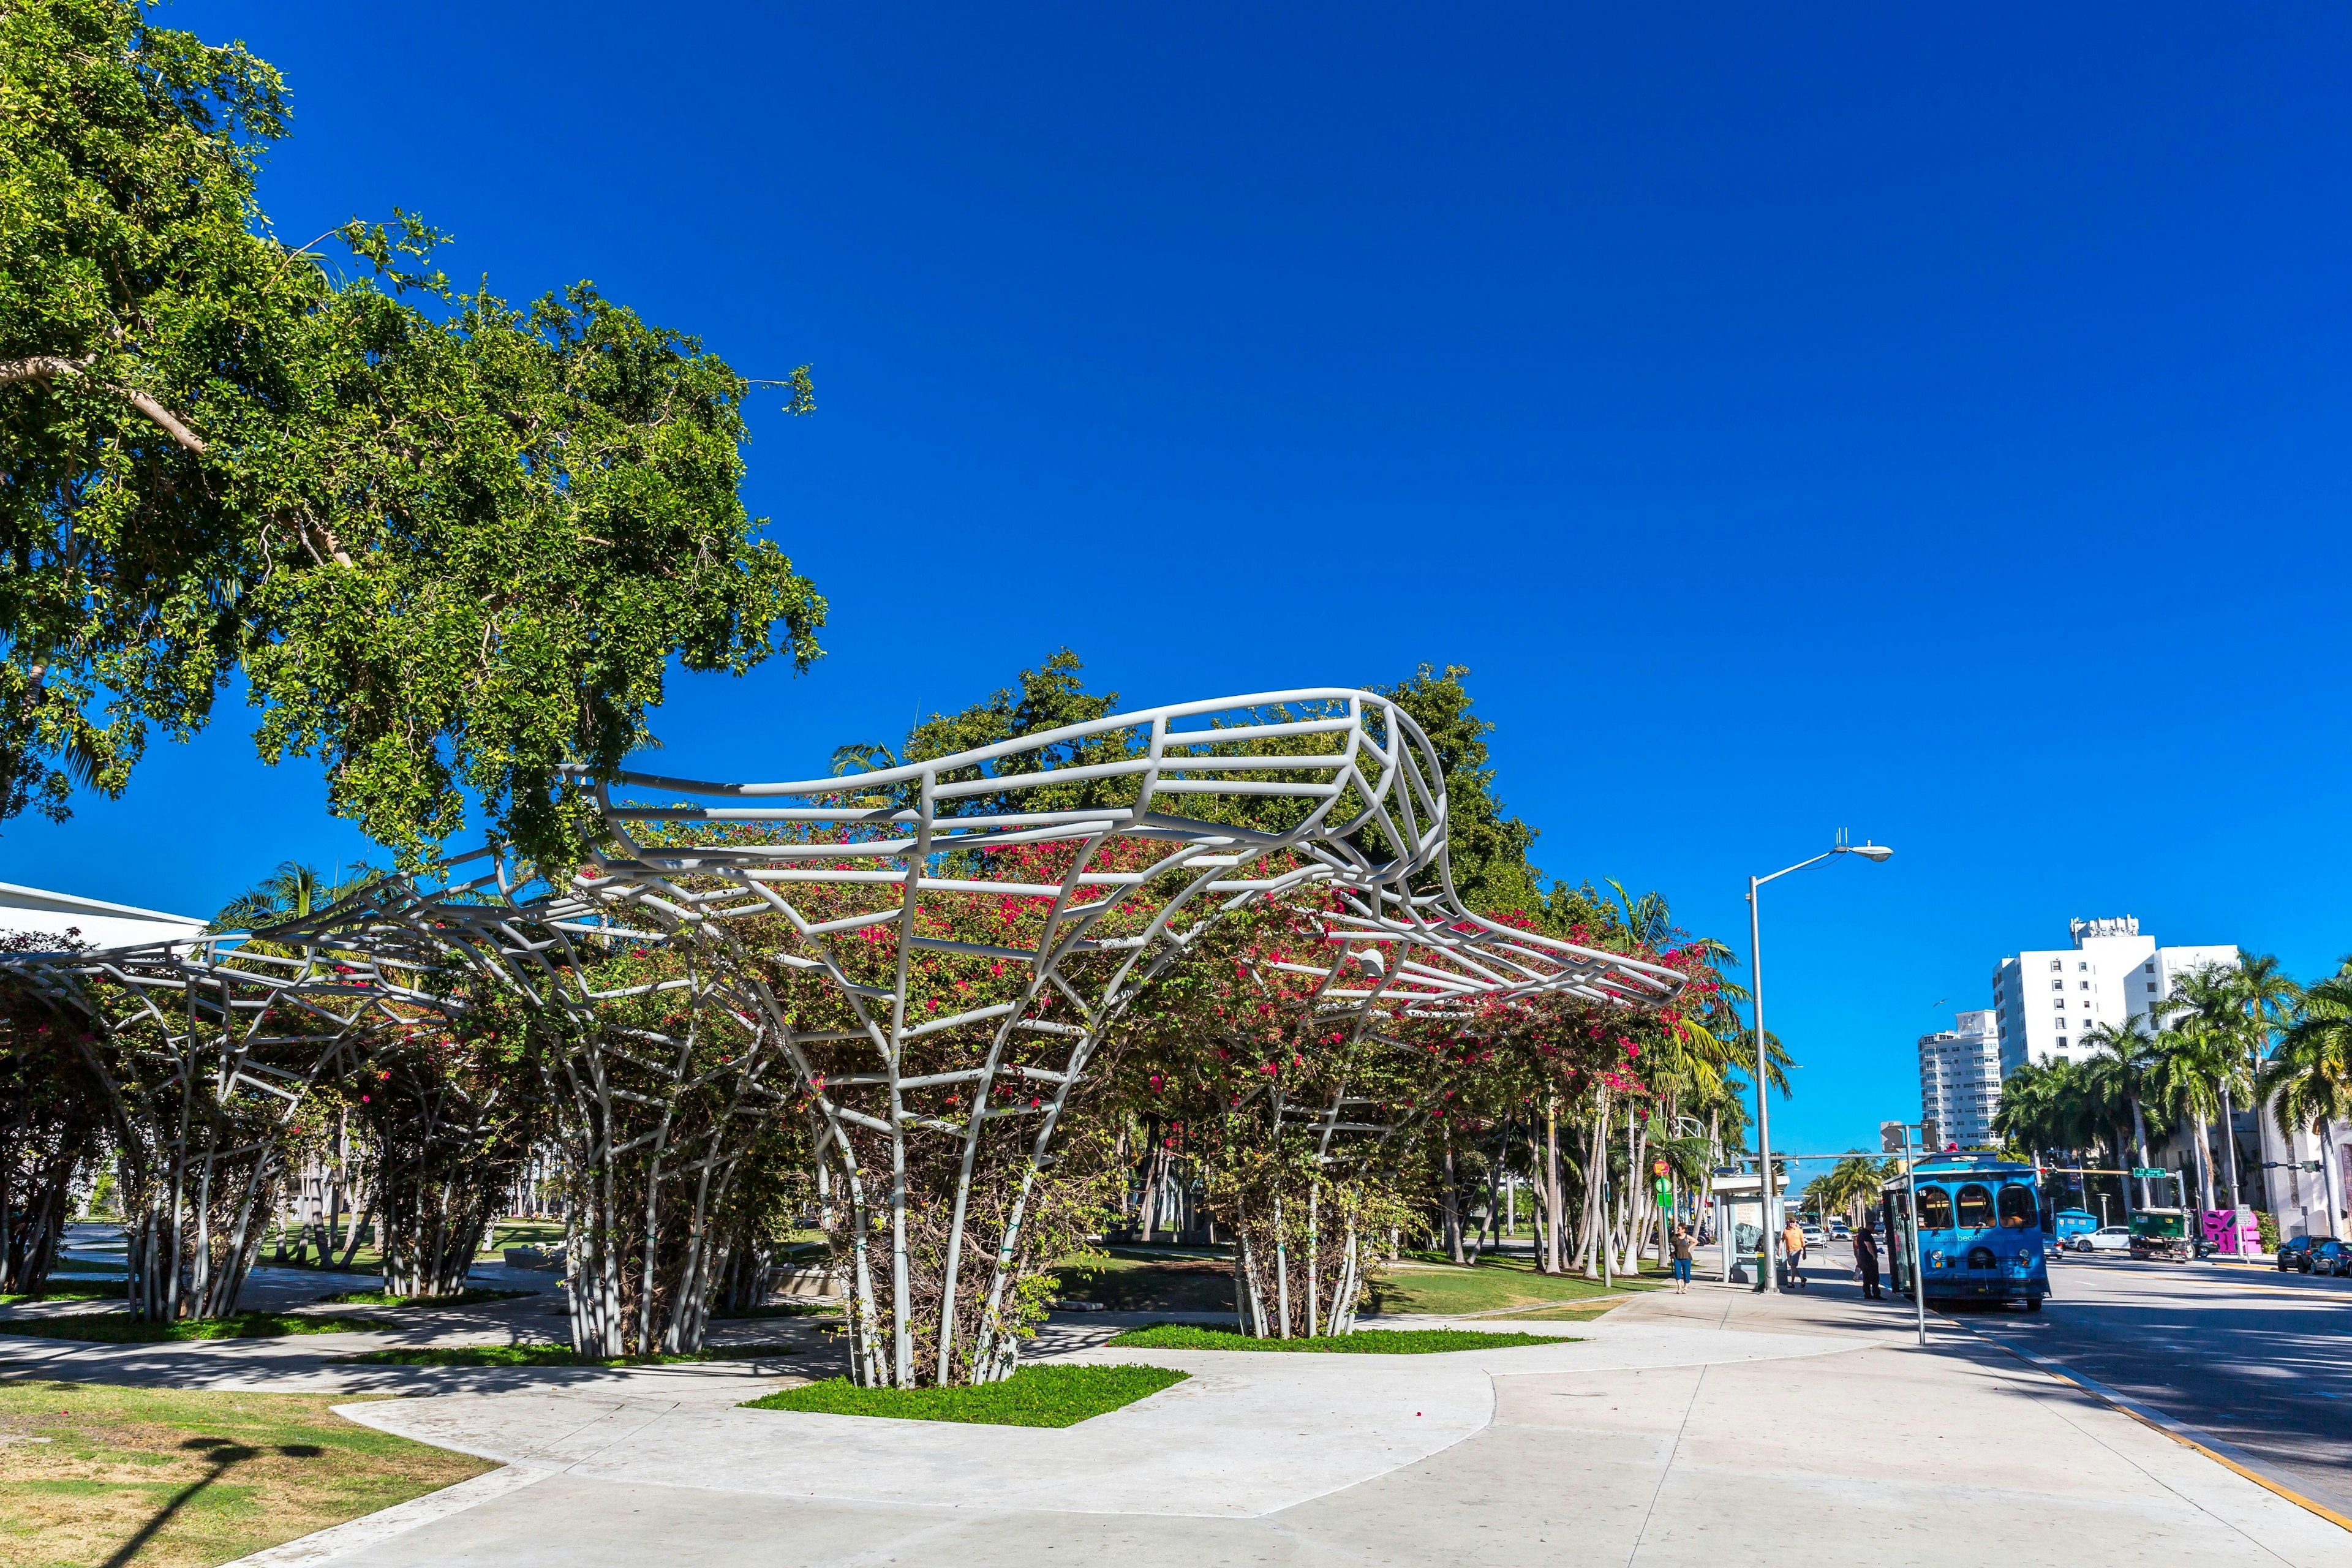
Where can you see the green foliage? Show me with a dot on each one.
(1488, 847)
(1044, 1395)
(1364, 1341)
(122, 1328)
(451, 542)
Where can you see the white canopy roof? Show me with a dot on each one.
(92, 920)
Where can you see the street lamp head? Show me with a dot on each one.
(1867, 851)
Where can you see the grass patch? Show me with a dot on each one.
(554, 1355)
(1147, 1284)
(122, 1328)
(216, 1475)
(1494, 1284)
(780, 1310)
(465, 1298)
(1574, 1312)
(1364, 1341)
(1053, 1395)
(54, 1288)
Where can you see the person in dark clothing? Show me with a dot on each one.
(1866, 1260)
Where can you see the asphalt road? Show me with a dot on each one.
(2260, 1359)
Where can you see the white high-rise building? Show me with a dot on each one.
(2046, 1000)
(1959, 1080)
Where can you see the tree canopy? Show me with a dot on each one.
(450, 543)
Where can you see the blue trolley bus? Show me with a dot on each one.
(1979, 1230)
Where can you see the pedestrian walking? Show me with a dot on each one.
(1866, 1263)
(1792, 1240)
(1681, 1241)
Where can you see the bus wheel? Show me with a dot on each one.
(2033, 1303)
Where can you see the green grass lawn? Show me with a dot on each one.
(555, 1355)
(1491, 1285)
(1140, 1282)
(1364, 1341)
(122, 1328)
(465, 1298)
(521, 1233)
(780, 1309)
(57, 1288)
(1051, 1395)
(92, 1475)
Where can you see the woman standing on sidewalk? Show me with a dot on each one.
(1681, 1241)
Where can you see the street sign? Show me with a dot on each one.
(1665, 1193)
(1930, 1135)
(1657, 1167)
(1890, 1137)
(2143, 1174)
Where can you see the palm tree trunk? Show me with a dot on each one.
(2204, 1165)
(2230, 1146)
(2140, 1132)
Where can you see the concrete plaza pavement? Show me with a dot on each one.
(1718, 1427)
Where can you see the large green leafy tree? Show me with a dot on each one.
(452, 543)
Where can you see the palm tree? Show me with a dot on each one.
(293, 891)
(2308, 1079)
(2118, 1065)
(2205, 1006)
(2184, 1082)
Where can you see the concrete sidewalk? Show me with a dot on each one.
(1718, 1427)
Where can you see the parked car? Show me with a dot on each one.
(2323, 1256)
(2106, 1238)
(1841, 1231)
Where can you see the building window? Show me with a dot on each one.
(2083, 967)
(2061, 1042)
(2148, 968)
(2151, 987)
(2086, 985)
(2055, 966)
(2057, 985)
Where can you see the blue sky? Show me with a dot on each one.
(1926, 425)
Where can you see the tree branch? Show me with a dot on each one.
(48, 367)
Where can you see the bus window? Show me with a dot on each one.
(2017, 1209)
(1976, 1208)
(1934, 1209)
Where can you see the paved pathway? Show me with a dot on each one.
(1715, 1429)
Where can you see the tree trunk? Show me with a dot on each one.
(1554, 1260)
(1450, 1203)
(2140, 1135)
(2230, 1146)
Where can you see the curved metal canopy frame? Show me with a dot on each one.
(1155, 825)
(1358, 806)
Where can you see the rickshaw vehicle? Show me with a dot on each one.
(1980, 1235)
(2162, 1233)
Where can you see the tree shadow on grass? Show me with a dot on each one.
(225, 1456)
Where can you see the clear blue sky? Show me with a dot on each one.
(1927, 425)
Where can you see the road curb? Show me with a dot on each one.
(2222, 1453)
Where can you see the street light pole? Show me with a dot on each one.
(1868, 851)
